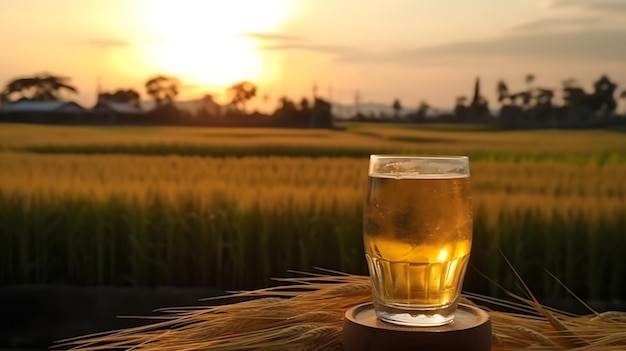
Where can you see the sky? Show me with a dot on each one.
(411, 50)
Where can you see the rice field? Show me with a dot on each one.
(233, 207)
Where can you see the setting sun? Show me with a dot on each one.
(204, 43)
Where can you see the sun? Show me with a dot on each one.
(204, 43)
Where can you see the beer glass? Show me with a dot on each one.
(417, 231)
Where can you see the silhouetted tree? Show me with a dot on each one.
(604, 101)
(529, 79)
(321, 116)
(129, 96)
(503, 91)
(544, 97)
(287, 111)
(266, 100)
(43, 87)
(460, 110)
(357, 103)
(527, 98)
(397, 108)
(208, 107)
(240, 93)
(422, 109)
(287, 104)
(570, 83)
(304, 105)
(574, 96)
(163, 89)
(600, 103)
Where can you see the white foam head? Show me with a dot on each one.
(419, 167)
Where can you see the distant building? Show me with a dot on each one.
(111, 112)
(120, 108)
(29, 111)
(41, 107)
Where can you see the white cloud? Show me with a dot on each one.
(590, 45)
(559, 23)
(610, 6)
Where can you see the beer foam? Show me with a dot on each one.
(417, 175)
(419, 168)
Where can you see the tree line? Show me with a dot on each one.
(163, 90)
(530, 107)
(533, 106)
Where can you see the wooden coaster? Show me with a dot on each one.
(469, 331)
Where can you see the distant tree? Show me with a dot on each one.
(574, 96)
(285, 107)
(604, 101)
(460, 109)
(513, 98)
(287, 112)
(601, 102)
(240, 93)
(321, 116)
(208, 107)
(529, 79)
(43, 87)
(422, 109)
(266, 100)
(304, 104)
(357, 103)
(544, 97)
(503, 91)
(163, 89)
(622, 95)
(570, 83)
(129, 96)
(527, 98)
(397, 108)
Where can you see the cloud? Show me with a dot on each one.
(324, 49)
(108, 43)
(581, 38)
(594, 45)
(189, 86)
(558, 23)
(273, 37)
(611, 6)
(283, 42)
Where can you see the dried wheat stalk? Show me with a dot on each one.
(307, 314)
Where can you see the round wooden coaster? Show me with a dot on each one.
(469, 331)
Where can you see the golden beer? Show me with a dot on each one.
(417, 236)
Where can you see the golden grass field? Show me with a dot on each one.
(548, 199)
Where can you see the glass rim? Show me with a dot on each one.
(425, 157)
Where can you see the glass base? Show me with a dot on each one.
(412, 317)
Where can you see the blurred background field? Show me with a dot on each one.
(232, 207)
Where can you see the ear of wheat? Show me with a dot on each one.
(306, 313)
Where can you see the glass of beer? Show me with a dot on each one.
(417, 230)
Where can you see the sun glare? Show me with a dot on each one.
(203, 42)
